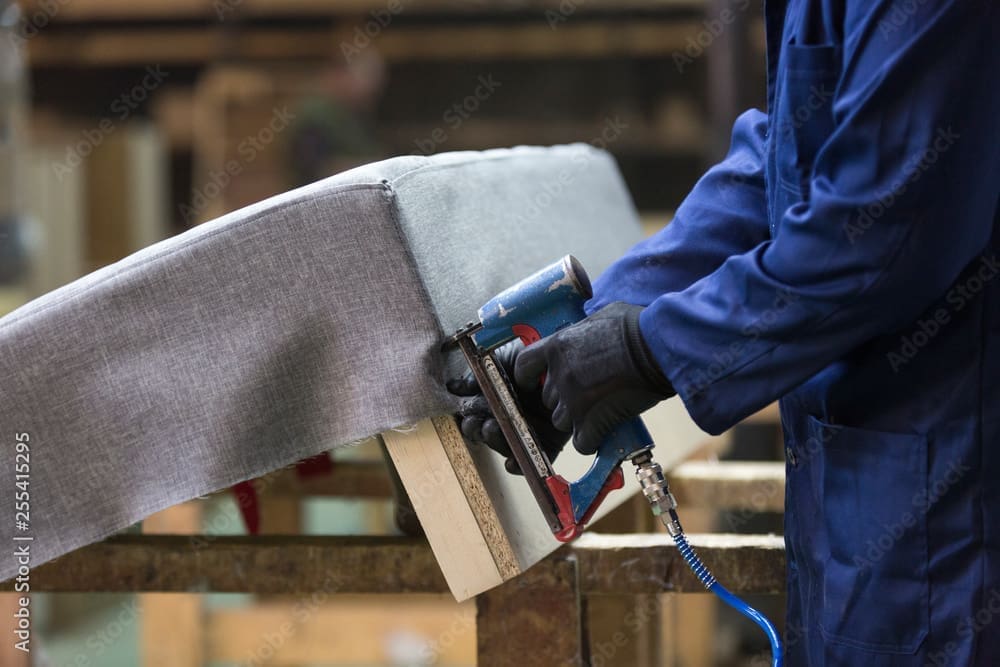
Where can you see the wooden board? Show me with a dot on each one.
(482, 523)
(269, 564)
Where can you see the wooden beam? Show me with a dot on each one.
(167, 47)
(590, 39)
(638, 564)
(104, 46)
(609, 565)
(535, 620)
(641, 136)
(263, 564)
(89, 10)
(741, 485)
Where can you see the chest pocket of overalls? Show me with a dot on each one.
(803, 120)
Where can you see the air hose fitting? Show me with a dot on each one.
(664, 505)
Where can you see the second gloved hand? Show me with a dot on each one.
(479, 425)
(598, 373)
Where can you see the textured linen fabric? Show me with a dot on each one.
(306, 321)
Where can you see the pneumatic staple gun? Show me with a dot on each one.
(536, 307)
(539, 306)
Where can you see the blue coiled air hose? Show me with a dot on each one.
(654, 487)
(705, 577)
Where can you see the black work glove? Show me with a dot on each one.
(599, 373)
(479, 425)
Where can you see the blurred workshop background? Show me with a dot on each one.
(123, 122)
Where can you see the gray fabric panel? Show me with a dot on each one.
(564, 200)
(214, 358)
(309, 320)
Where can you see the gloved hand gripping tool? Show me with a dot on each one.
(534, 308)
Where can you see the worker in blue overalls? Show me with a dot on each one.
(845, 258)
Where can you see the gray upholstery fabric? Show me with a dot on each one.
(309, 320)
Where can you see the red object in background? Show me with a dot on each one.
(246, 493)
(246, 500)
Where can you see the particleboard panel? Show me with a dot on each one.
(482, 523)
(450, 520)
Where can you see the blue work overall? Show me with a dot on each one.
(845, 258)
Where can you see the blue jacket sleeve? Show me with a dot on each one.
(725, 214)
(902, 195)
